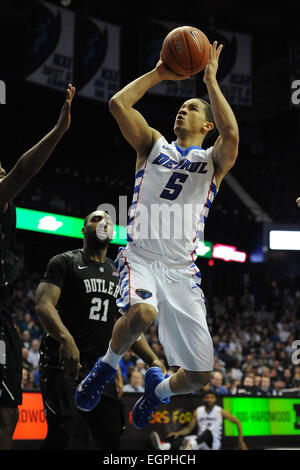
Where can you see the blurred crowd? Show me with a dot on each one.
(253, 342)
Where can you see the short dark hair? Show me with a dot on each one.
(209, 392)
(209, 116)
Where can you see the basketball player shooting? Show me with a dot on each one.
(158, 275)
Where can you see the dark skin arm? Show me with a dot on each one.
(33, 160)
(47, 296)
(227, 415)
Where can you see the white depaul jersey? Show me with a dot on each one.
(172, 196)
(213, 421)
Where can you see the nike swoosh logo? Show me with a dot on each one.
(82, 267)
(79, 388)
(195, 38)
(141, 405)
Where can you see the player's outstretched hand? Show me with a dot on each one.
(64, 120)
(167, 74)
(212, 65)
(298, 201)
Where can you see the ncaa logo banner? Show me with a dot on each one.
(51, 46)
(68, 48)
(97, 58)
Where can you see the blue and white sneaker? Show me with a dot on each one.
(89, 390)
(144, 407)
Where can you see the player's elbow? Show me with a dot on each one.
(231, 144)
(230, 135)
(42, 306)
(115, 105)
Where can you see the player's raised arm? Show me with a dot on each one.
(226, 147)
(32, 161)
(132, 124)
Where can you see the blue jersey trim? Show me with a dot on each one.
(184, 152)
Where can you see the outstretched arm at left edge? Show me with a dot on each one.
(30, 163)
(226, 146)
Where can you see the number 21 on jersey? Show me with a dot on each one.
(95, 310)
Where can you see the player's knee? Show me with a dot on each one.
(141, 317)
(197, 379)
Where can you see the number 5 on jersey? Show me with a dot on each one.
(173, 188)
(96, 307)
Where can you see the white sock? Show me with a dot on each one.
(163, 390)
(112, 358)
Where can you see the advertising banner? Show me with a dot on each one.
(264, 416)
(68, 48)
(51, 46)
(259, 417)
(97, 58)
(32, 424)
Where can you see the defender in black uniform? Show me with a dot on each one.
(76, 304)
(10, 347)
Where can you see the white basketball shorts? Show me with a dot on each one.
(176, 294)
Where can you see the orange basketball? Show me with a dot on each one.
(185, 50)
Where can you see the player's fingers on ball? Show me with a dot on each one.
(219, 49)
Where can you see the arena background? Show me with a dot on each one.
(93, 164)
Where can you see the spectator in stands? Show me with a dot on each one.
(136, 383)
(249, 362)
(34, 353)
(257, 381)
(236, 372)
(284, 333)
(278, 386)
(30, 325)
(125, 363)
(26, 364)
(287, 377)
(140, 366)
(25, 338)
(216, 383)
(27, 383)
(233, 387)
(247, 387)
(265, 372)
(265, 389)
